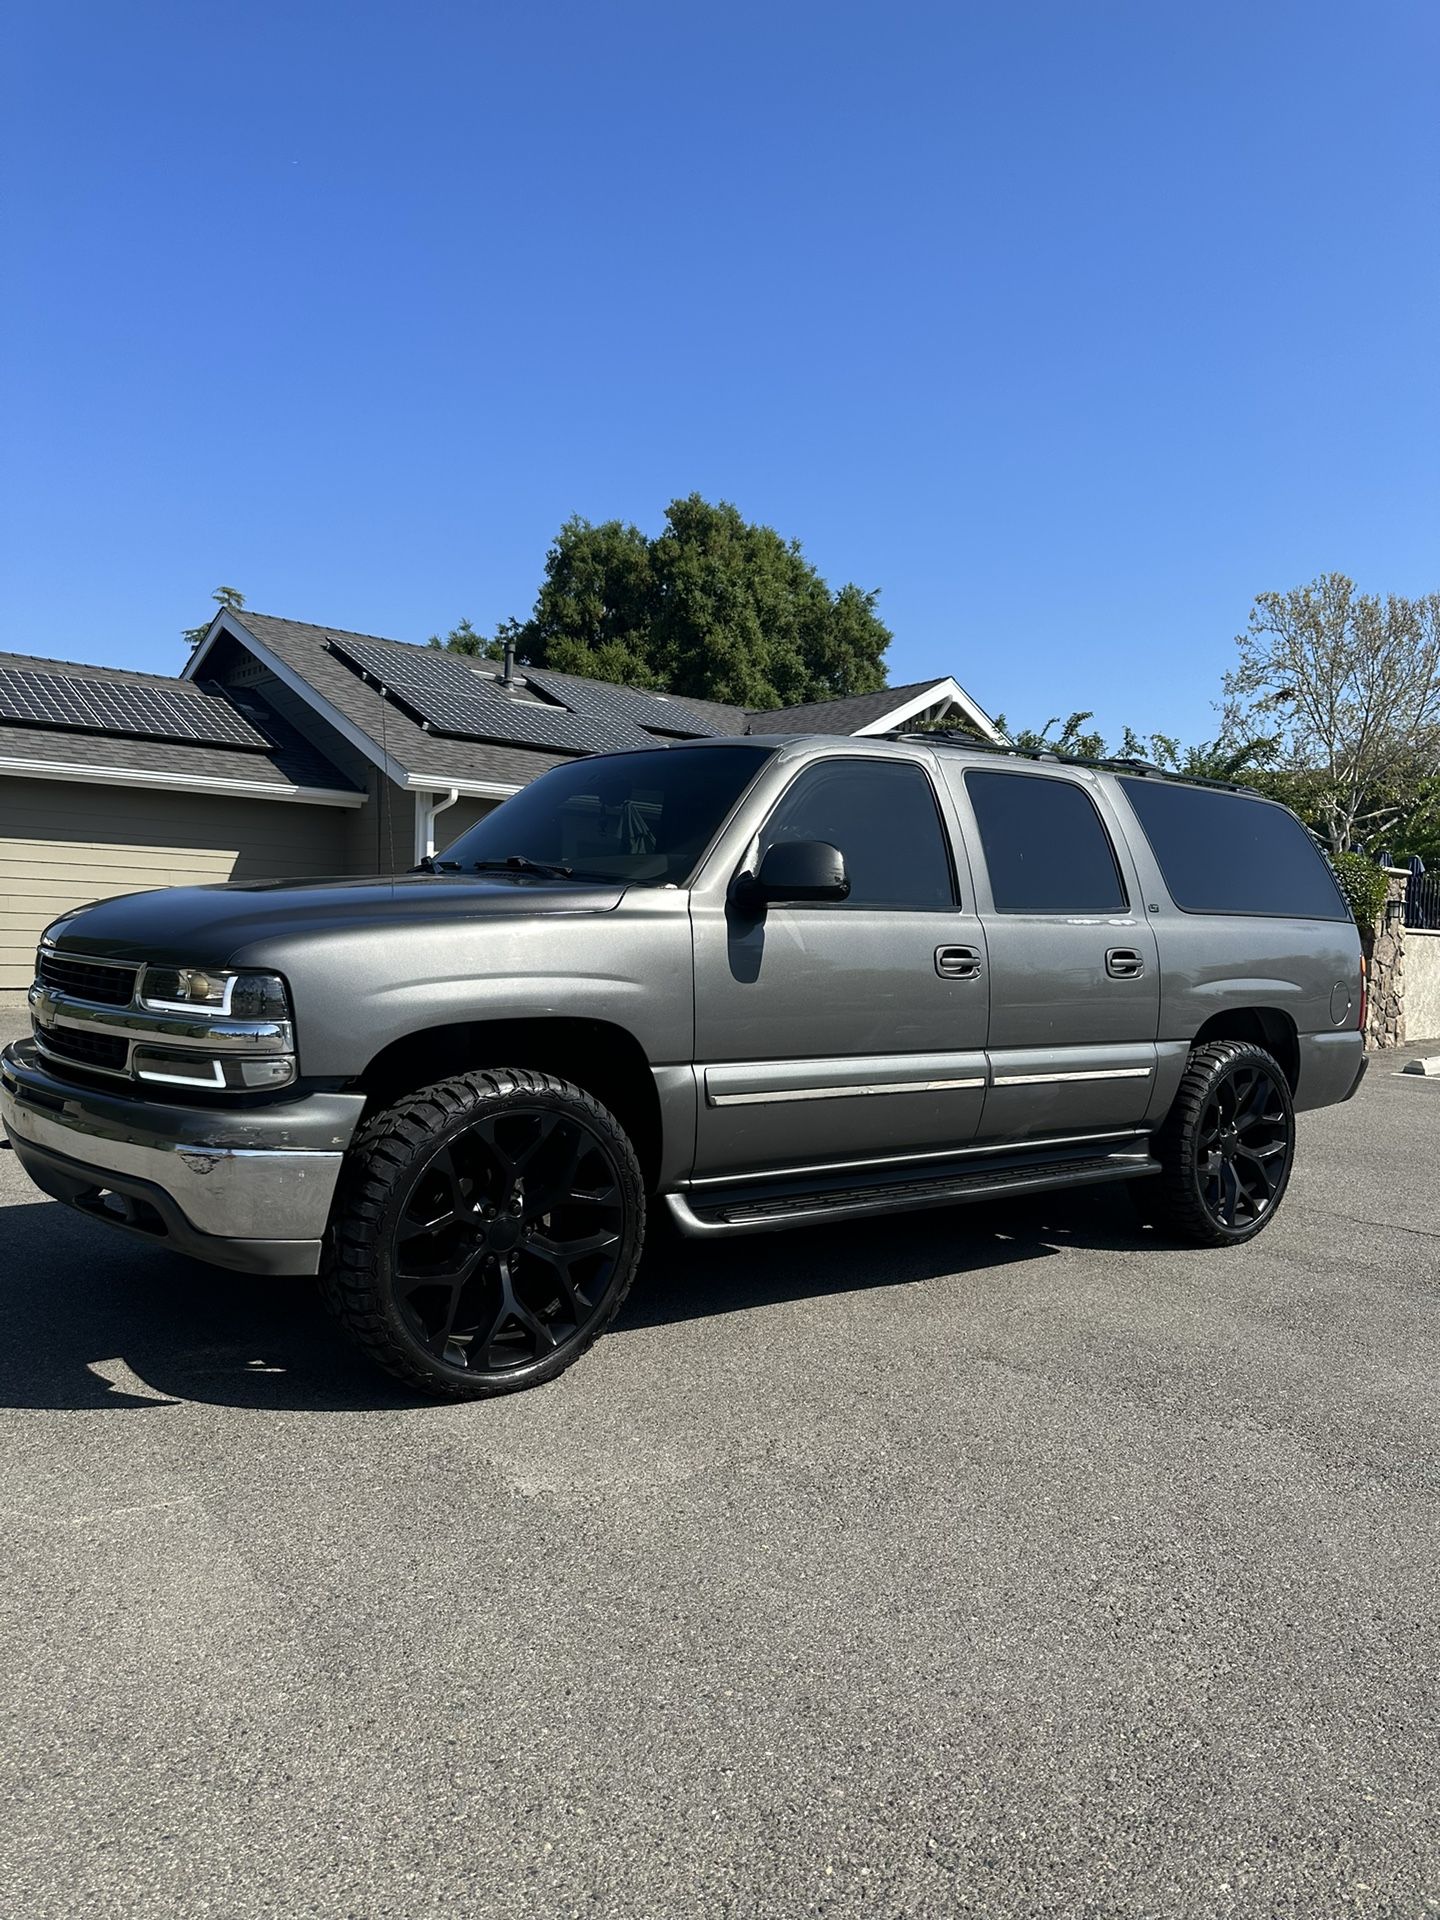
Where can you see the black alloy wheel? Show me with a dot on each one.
(487, 1231)
(1227, 1147)
(1244, 1146)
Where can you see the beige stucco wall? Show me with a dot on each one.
(1422, 985)
(64, 843)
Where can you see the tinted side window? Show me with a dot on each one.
(883, 818)
(1227, 853)
(1045, 845)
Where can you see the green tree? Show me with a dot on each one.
(460, 639)
(713, 606)
(230, 597)
(1226, 758)
(1349, 685)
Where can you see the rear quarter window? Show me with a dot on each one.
(1228, 853)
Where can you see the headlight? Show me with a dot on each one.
(240, 996)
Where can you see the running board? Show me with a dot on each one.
(749, 1211)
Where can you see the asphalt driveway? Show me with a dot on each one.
(994, 1562)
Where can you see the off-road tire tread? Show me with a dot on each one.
(382, 1154)
(1171, 1199)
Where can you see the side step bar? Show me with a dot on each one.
(752, 1211)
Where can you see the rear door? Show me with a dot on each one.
(842, 1031)
(1074, 966)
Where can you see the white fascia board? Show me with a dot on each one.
(945, 691)
(227, 621)
(180, 782)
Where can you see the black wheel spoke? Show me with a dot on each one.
(506, 1244)
(1243, 1146)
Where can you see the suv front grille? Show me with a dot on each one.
(104, 1050)
(84, 980)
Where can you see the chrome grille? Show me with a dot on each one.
(101, 984)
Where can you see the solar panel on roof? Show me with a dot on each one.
(657, 712)
(80, 705)
(450, 697)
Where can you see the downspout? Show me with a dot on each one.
(426, 810)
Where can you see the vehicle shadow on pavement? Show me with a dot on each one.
(683, 1280)
(91, 1319)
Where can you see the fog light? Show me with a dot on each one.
(178, 1069)
(170, 1067)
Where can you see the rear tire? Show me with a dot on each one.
(485, 1233)
(1226, 1148)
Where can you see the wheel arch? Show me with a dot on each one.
(1268, 1027)
(605, 1059)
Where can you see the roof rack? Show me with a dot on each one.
(957, 737)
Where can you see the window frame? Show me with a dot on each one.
(1126, 907)
(752, 855)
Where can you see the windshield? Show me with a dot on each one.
(645, 818)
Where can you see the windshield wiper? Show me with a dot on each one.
(518, 863)
(427, 863)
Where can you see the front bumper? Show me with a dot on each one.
(240, 1187)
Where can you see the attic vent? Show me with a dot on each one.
(248, 672)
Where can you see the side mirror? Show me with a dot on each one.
(794, 870)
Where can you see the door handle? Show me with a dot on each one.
(957, 963)
(1123, 963)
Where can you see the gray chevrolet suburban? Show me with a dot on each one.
(755, 983)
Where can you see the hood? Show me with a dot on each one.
(205, 926)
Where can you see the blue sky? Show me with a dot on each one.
(1070, 327)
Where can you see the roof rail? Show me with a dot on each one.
(957, 737)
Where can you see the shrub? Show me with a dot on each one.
(1364, 886)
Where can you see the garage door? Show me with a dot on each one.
(64, 843)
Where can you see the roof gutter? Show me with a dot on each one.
(180, 782)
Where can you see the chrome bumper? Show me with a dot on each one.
(247, 1188)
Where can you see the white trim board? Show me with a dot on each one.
(947, 689)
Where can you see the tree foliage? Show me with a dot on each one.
(1364, 885)
(1225, 758)
(230, 597)
(713, 606)
(1349, 683)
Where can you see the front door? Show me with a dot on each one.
(1074, 964)
(832, 1032)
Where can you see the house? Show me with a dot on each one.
(287, 749)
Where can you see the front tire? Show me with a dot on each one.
(1226, 1148)
(485, 1233)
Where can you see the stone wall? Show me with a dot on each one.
(1384, 946)
(1422, 985)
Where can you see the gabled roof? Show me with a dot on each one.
(879, 712)
(290, 768)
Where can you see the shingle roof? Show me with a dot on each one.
(291, 762)
(847, 715)
(305, 649)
